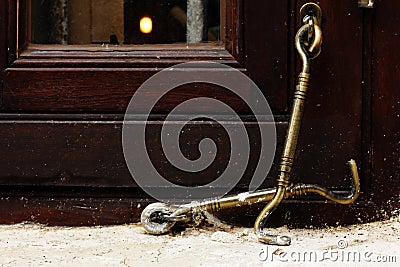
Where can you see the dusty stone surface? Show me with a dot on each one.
(374, 244)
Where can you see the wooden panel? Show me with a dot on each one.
(386, 105)
(366, 126)
(103, 211)
(331, 132)
(3, 34)
(150, 56)
(36, 84)
(50, 90)
(70, 211)
(295, 213)
(99, 90)
(29, 87)
(70, 152)
(62, 153)
(24, 27)
(11, 30)
(266, 49)
(56, 159)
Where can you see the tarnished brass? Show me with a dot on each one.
(311, 10)
(159, 218)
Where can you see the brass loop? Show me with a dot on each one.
(309, 48)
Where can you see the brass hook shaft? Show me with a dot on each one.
(159, 218)
(291, 139)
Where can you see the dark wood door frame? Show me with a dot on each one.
(91, 189)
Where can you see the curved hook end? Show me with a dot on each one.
(317, 41)
(264, 237)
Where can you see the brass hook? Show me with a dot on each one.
(159, 218)
(311, 15)
(283, 190)
(317, 40)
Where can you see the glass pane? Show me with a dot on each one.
(124, 21)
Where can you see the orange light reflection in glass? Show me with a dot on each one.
(146, 25)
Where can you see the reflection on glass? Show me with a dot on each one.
(124, 21)
(146, 25)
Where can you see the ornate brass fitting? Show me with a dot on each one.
(159, 218)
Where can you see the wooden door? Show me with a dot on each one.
(62, 109)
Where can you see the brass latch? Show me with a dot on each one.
(159, 218)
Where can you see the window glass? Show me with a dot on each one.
(124, 21)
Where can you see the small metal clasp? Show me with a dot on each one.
(311, 18)
(311, 11)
